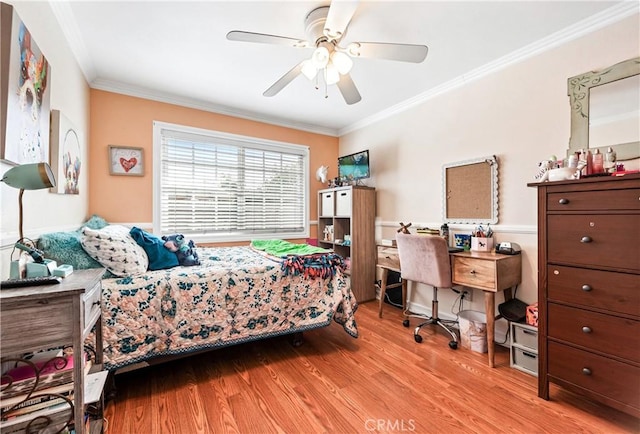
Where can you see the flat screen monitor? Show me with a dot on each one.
(354, 166)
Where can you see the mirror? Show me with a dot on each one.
(605, 110)
(471, 191)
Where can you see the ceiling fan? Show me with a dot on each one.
(325, 28)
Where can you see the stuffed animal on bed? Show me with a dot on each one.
(186, 251)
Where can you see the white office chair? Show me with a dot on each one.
(425, 259)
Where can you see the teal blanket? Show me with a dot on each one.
(285, 248)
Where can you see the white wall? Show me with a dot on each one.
(520, 114)
(44, 211)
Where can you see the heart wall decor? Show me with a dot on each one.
(126, 160)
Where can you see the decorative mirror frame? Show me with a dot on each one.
(578, 91)
(465, 181)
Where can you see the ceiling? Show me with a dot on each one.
(177, 51)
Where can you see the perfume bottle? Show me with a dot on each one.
(610, 160)
(598, 162)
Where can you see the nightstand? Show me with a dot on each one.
(42, 317)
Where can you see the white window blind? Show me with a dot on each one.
(216, 186)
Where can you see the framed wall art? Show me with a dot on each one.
(66, 154)
(126, 160)
(25, 87)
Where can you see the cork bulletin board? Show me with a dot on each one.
(471, 191)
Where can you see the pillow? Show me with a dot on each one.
(115, 249)
(159, 256)
(96, 222)
(65, 248)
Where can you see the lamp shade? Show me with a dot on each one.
(34, 176)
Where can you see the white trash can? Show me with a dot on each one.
(473, 330)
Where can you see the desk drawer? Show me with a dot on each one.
(615, 380)
(474, 272)
(616, 292)
(594, 240)
(599, 332)
(388, 257)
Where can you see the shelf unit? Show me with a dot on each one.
(524, 348)
(351, 212)
(60, 315)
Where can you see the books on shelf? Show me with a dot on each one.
(53, 417)
(428, 231)
(23, 378)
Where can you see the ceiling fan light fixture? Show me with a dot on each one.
(309, 70)
(332, 76)
(342, 62)
(320, 57)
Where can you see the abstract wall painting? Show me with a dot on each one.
(66, 154)
(25, 90)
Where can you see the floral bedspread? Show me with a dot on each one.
(235, 296)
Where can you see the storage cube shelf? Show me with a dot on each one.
(347, 216)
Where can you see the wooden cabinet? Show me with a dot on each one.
(346, 224)
(589, 289)
(43, 317)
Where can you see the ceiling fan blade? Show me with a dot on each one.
(380, 50)
(284, 80)
(238, 35)
(348, 89)
(338, 18)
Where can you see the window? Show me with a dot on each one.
(215, 186)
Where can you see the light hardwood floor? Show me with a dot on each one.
(381, 382)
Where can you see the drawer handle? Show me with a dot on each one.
(586, 240)
(96, 303)
(563, 201)
(529, 332)
(586, 371)
(387, 257)
(586, 329)
(472, 272)
(533, 356)
(586, 288)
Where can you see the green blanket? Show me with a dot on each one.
(285, 248)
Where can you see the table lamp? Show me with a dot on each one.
(33, 176)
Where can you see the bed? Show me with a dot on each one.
(236, 295)
(156, 309)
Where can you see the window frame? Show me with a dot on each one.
(253, 142)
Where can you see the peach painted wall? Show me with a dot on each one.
(118, 119)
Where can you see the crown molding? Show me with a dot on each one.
(67, 21)
(136, 91)
(591, 24)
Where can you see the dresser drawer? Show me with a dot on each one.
(388, 257)
(608, 200)
(595, 240)
(604, 333)
(91, 305)
(617, 292)
(615, 380)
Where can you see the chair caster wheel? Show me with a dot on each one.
(418, 338)
(453, 345)
(405, 323)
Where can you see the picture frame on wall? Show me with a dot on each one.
(66, 154)
(25, 87)
(126, 160)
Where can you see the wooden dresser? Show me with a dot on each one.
(589, 289)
